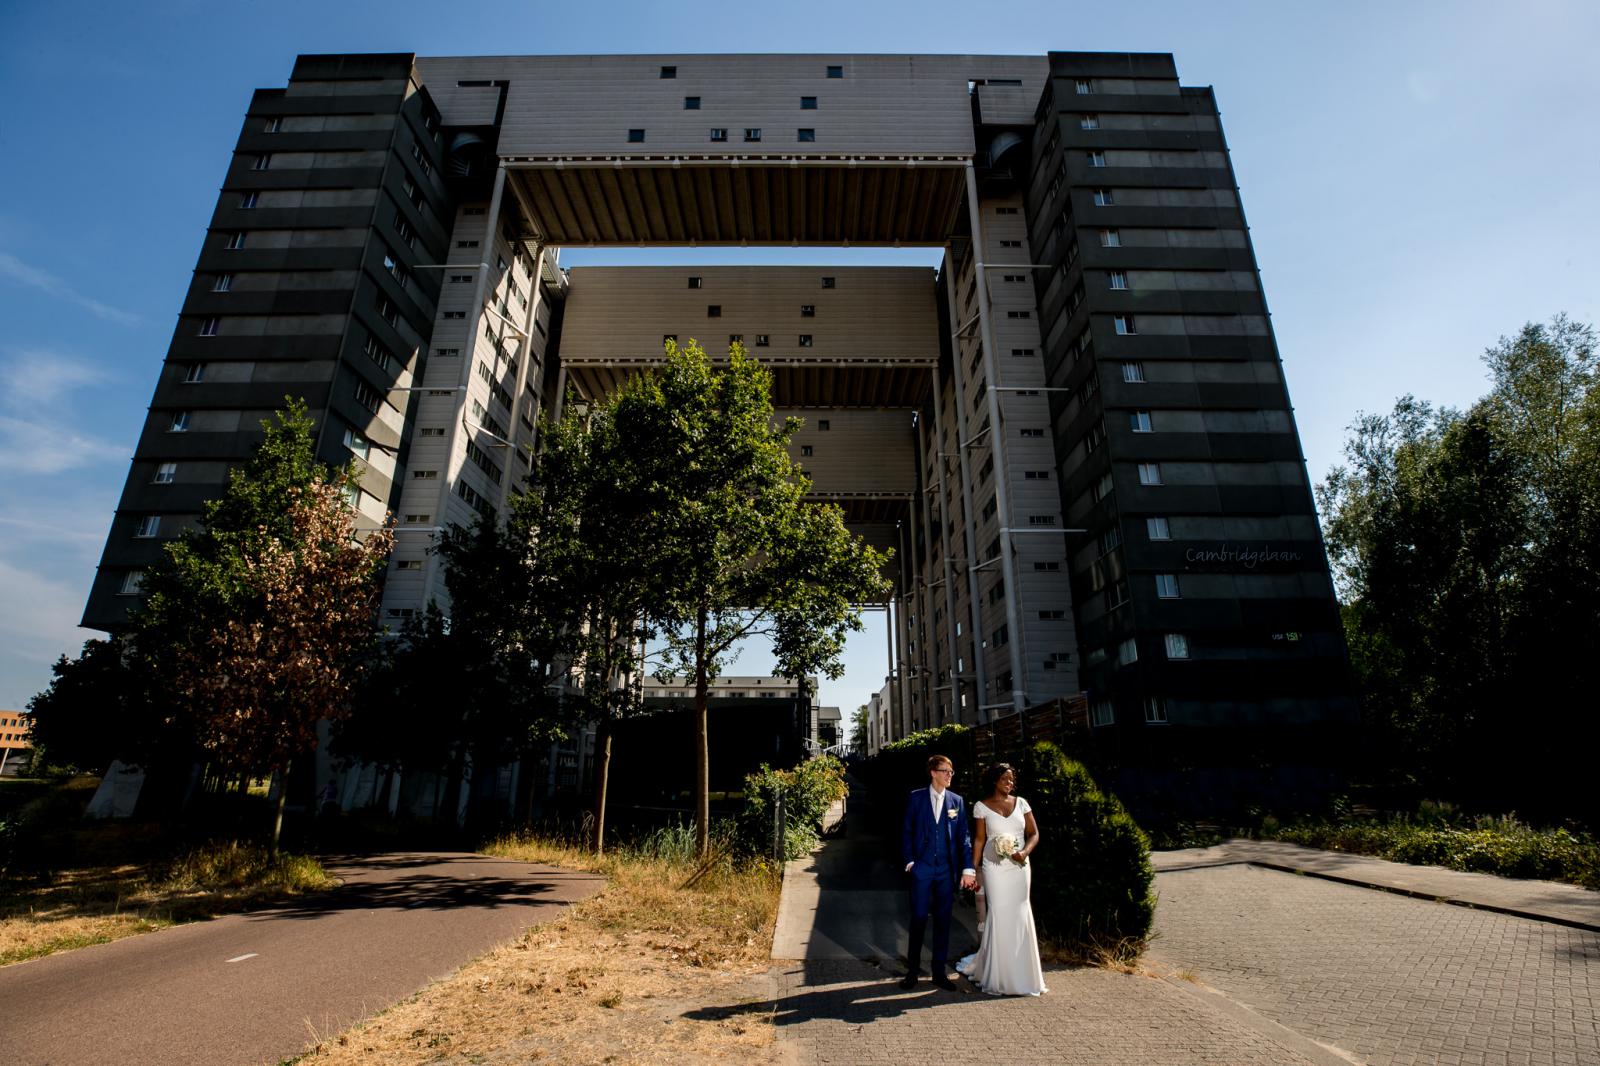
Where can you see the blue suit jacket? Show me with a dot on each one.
(920, 837)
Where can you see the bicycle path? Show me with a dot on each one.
(265, 985)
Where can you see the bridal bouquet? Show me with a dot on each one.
(1006, 845)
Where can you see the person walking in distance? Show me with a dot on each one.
(935, 845)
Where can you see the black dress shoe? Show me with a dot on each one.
(909, 981)
(943, 981)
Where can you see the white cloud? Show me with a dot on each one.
(48, 446)
(39, 624)
(20, 272)
(40, 427)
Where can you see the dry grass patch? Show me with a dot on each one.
(93, 905)
(667, 964)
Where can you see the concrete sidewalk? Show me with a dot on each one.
(1545, 901)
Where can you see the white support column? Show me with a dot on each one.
(974, 604)
(902, 636)
(945, 545)
(1002, 489)
(469, 356)
(524, 366)
(919, 599)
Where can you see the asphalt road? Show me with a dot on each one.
(262, 986)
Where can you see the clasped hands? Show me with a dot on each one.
(969, 881)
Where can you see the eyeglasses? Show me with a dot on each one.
(946, 770)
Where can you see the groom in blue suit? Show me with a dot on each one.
(936, 846)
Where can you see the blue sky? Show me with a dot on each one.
(1419, 180)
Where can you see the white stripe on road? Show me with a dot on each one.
(241, 958)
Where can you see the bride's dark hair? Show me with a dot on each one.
(991, 778)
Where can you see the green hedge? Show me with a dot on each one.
(1092, 892)
(808, 791)
(1501, 846)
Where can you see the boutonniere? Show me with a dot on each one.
(951, 813)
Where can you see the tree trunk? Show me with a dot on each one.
(277, 811)
(602, 778)
(702, 749)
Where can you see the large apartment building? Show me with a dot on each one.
(1075, 432)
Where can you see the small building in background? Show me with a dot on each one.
(16, 747)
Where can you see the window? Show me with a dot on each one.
(823, 425)
(374, 350)
(1088, 122)
(1005, 210)
(1002, 637)
(418, 519)
(1139, 421)
(1084, 86)
(835, 72)
(403, 230)
(762, 340)
(691, 103)
(1167, 587)
(1118, 279)
(1047, 567)
(719, 134)
(1124, 325)
(1011, 244)
(430, 431)
(1133, 373)
(1030, 432)
(367, 396)
(1110, 238)
(425, 475)
(408, 564)
(636, 136)
(422, 160)
(808, 103)
(1155, 710)
(248, 201)
(752, 134)
(1052, 616)
(273, 125)
(447, 353)
(235, 241)
(209, 326)
(1110, 540)
(223, 283)
(391, 314)
(1013, 278)
(805, 451)
(179, 423)
(669, 338)
(1041, 520)
(1157, 529)
(1103, 198)
(713, 310)
(149, 525)
(132, 582)
(1150, 474)
(669, 72)
(1019, 314)
(808, 310)
(1022, 351)
(830, 283)
(736, 338)
(1127, 652)
(697, 283)
(194, 373)
(805, 340)
(166, 474)
(1177, 646)
(1097, 159)
(262, 162)
(357, 443)
(805, 135)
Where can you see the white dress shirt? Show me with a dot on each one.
(937, 796)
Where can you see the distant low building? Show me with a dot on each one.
(15, 746)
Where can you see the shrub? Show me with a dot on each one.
(808, 791)
(1092, 891)
(899, 767)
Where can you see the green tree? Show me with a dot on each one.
(742, 552)
(98, 708)
(258, 622)
(1466, 550)
(858, 730)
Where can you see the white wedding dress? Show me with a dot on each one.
(1007, 959)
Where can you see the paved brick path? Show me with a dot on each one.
(1391, 979)
(846, 1012)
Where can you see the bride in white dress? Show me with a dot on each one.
(1007, 959)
